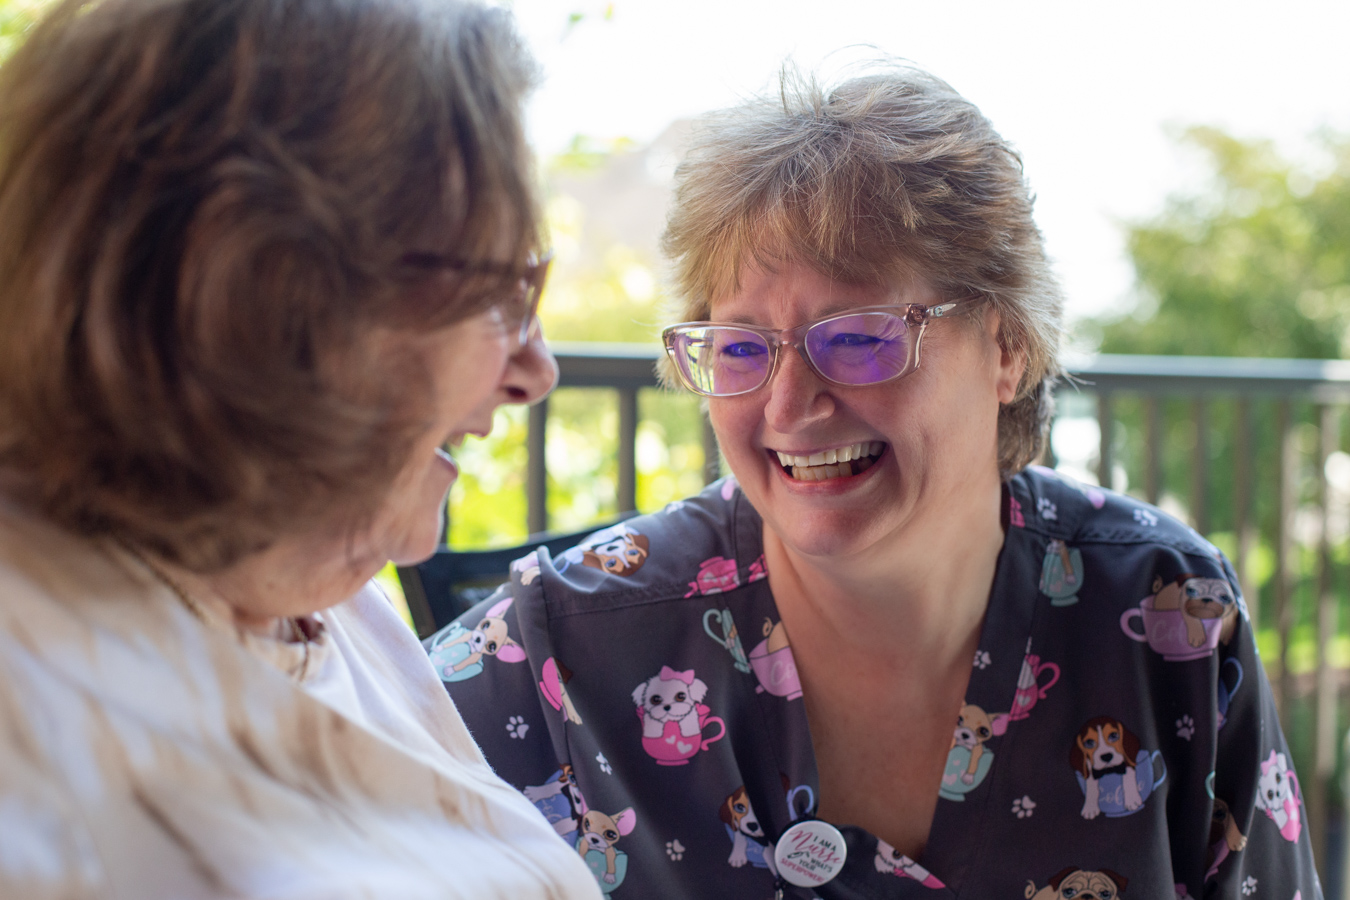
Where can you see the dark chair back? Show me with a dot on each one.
(448, 584)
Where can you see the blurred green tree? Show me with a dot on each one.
(1254, 263)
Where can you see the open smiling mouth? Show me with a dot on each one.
(837, 463)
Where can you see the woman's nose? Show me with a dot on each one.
(531, 372)
(797, 395)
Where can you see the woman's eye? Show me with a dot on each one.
(849, 339)
(744, 348)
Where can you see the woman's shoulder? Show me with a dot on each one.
(705, 544)
(1061, 508)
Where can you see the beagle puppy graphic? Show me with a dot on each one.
(622, 556)
(601, 832)
(973, 728)
(1079, 884)
(1198, 598)
(738, 815)
(1103, 746)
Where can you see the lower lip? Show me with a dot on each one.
(448, 463)
(829, 485)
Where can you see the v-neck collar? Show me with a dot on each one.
(958, 830)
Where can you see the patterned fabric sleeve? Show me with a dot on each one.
(1258, 843)
(481, 659)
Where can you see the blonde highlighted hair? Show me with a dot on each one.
(881, 177)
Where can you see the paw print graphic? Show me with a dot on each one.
(1185, 728)
(1249, 886)
(675, 850)
(1046, 509)
(516, 727)
(982, 659)
(604, 764)
(1144, 517)
(1023, 807)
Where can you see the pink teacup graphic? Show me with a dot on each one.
(675, 749)
(773, 664)
(1029, 686)
(1165, 631)
(715, 575)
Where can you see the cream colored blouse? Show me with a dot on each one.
(146, 753)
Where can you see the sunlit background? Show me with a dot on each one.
(1098, 99)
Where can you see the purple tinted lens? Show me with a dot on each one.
(721, 361)
(860, 349)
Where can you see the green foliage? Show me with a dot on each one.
(1255, 263)
(608, 294)
(16, 16)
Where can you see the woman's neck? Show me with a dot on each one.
(900, 599)
(293, 578)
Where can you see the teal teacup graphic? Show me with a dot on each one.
(954, 783)
(1061, 574)
(599, 866)
(725, 634)
(449, 650)
(1231, 669)
(1149, 773)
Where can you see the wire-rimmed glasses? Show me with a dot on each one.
(862, 346)
(530, 285)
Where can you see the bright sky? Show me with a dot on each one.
(1086, 91)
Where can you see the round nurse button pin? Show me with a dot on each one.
(810, 853)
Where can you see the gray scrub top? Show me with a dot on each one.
(1118, 736)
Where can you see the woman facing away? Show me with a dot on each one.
(260, 260)
(886, 657)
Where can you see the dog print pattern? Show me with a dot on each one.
(1097, 753)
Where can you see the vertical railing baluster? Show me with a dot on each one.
(628, 422)
(536, 469)
(1285, 501)
(712, 462)
(1106, 423)
(1324, 714)
(1153, 448)
(1242, 503)
(1200, 467)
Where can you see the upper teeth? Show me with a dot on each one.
(831, 457)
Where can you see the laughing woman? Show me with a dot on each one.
(259, 261)
(779, 689)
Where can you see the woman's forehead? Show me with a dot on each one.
(796, 289)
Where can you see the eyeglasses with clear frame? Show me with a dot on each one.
(863, 346)
(530, 283)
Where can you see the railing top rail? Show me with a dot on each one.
(633, 366)
(606, 365)
(1319, 378)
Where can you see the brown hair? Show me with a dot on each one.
(883, 176)
(203, 206)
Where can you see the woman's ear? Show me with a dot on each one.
(1012, 363)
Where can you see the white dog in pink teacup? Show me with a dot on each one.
(670, 696)
(673, 716)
